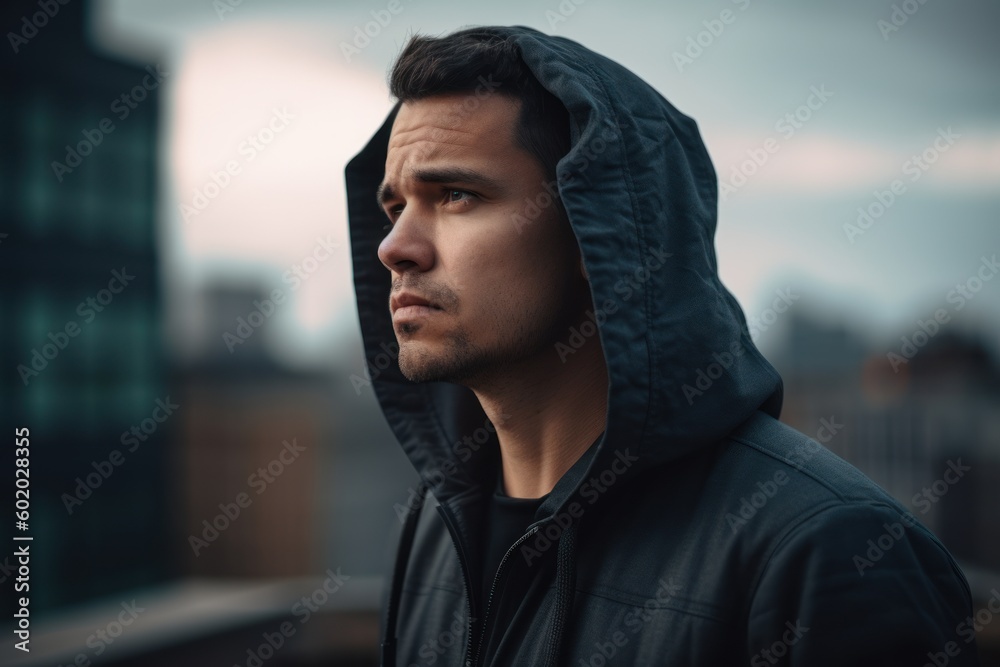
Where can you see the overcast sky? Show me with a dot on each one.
(885, 85)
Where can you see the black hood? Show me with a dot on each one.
(641, 194)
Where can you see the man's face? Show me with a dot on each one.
(502, 286)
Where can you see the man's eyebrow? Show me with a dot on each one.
(384, 194)
(443, 175)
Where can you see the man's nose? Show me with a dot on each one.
(407, 247)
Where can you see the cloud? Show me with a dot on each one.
(833, 164)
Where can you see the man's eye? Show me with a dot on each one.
(462, 195)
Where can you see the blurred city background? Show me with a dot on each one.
(179, 331)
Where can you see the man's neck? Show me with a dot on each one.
(547, 412)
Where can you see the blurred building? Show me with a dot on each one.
(254, 428)
(333, 505)
(907, 423)
(81, 308)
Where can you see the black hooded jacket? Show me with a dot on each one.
(698, 530)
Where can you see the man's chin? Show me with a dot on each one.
(419, 364)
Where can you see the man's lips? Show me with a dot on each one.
(411, 304)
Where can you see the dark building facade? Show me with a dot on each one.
(81, 305)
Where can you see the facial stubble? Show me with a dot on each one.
(464, 362)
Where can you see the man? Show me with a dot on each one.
(596, 432)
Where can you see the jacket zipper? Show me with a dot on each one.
(466, 579)
(493, 588)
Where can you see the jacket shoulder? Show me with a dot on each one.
(841, 556)
(814, 474)
(784, 488)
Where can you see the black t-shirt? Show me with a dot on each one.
(507, 519)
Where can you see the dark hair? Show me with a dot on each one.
(474, 58)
